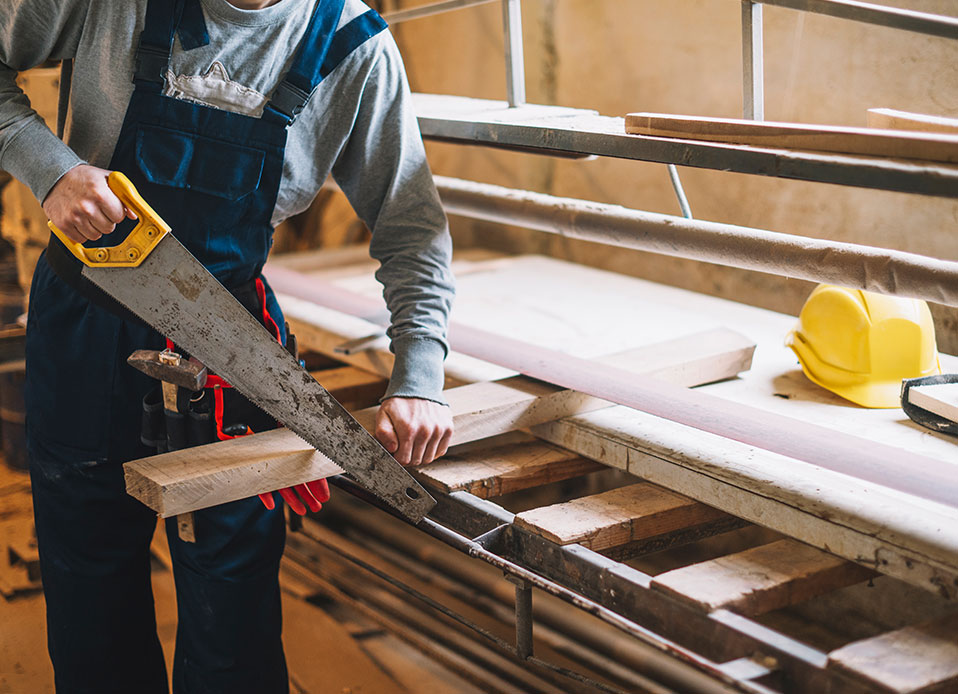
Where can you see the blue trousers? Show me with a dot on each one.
(94, 559)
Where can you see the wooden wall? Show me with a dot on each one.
(684, 56)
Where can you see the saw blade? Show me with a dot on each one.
(176, 295)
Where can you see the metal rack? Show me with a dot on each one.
(513, 124)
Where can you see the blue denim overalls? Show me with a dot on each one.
(213, 176)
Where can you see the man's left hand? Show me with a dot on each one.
(415, 431)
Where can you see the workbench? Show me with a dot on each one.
(588, 313)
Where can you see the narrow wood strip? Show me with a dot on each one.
(761, 579)
(941, 399)
(826, 138)
(617, 517)
(505, 469)
(917, 659)
(828, 448)
(891, 119)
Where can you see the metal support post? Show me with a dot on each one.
(515, 66)
(680, 192)
(753, 71)
(523, 617)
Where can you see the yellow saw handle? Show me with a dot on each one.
(150, 228)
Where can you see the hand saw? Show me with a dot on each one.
(155, 277)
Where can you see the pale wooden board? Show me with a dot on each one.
(941, 399)
(503, 469)
(195, 478)
(920, 658)
(617, 517)
(760, 579)
(828, 138)
(183, 481)
(891, 119)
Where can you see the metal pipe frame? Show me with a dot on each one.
(881, 15)
(515, 61)
(753, 61)
(431, 9)
(622, 597)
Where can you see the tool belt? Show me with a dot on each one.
(217, 412)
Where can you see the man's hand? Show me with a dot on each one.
(82, 205)
(415, 431)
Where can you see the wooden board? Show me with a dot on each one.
(503, 469)
(618, 517)
(890, 119)
(921, 658)
(188, 480)
(761, 579)
(941, 399)
(827, 138)
(196, 478)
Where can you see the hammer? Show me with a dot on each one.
(173, 372)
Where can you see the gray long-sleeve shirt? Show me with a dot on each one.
(359, 125)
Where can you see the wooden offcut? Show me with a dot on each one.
(919, 659)
(204, 476)
(941, 399)
(778, 135)
(352, 386)
(761, 579)
(620, 517)
(503, 469)
(891, 119)
(195, 478)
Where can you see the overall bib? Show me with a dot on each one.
(213, 175)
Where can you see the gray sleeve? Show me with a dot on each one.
(384, 173)
(32, 31)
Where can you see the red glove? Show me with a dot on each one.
(314, 494)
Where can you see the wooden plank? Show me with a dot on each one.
(941, 399)
(917, 659)
(827, 138)
(618, 517)
(504, 469)
(891, 119)
(761, 579)
(495, 124)
(196, 478)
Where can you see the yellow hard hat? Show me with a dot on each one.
(861, 345)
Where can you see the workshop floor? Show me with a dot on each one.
(329, 651)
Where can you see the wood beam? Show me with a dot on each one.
(641, 517)
(761, 579)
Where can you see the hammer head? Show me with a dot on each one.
(169, 367)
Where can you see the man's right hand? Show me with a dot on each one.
(82, 205)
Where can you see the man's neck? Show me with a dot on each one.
(252, 4)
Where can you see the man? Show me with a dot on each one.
(227, 116)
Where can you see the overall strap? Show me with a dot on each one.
(164, 18)
(321, 50)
